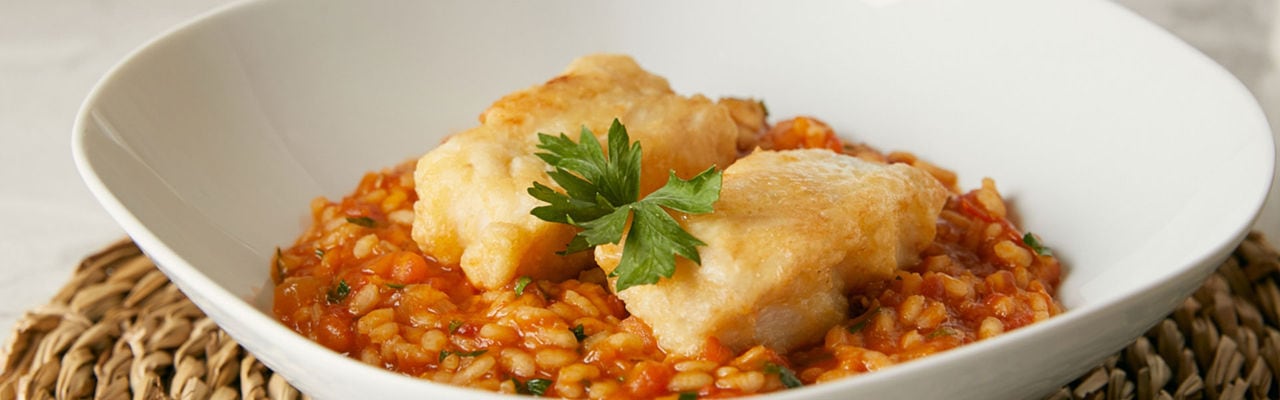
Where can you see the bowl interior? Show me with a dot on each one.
(1136, 159)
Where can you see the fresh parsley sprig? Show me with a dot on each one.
(601, 193)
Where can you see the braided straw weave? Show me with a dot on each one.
(120, 330)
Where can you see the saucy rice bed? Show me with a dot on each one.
(356, 282)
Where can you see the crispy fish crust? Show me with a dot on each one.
(792, 234)
(473, 209)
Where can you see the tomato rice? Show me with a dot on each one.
(357, 283)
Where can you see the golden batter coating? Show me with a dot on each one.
(793, 232)
(473, 208)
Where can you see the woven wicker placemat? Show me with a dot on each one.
(119, 330)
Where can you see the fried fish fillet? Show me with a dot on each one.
(473, 209)
(792, 234)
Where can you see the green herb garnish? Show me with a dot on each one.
(857, 326)
(601, 194)
(521, 284)
(943, 331)
(338, 293)
(579, 332)
(1035, 245)
(320, 253)
(454, 325)
(535, 386)
(687, 396)
(396, 285)
(785, 374)
(362, 221)
(279, 265)
(445, 353)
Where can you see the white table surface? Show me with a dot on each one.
(52, 52)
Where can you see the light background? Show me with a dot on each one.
(52, 52)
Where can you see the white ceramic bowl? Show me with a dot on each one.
(1137, 159)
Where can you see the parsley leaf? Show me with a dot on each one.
(943, 331)
(864, 319)
(445, 353)
(602, 193)
(279, 266)
(785, 374)
(454, 325)
(521, 284)
(362, 221)
(535, 386)
(338, 293)
(693, 196)
(579, 332)
(687, 396)
(1040, 249)
(857, 326)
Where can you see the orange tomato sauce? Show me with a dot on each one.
(356, 282)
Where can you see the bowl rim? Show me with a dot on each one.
(182, 273)
(187, 277)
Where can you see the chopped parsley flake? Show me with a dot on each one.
(857, 326)
(521, 284)
(943, 331)
(445, 353)
(785, 374)
(279, 265)
(339, 292)
(1033, 242)
(396, 285)
(862, 323)
(454, 325)
(535, 386)
(579, 332)
(362, 221)
(687, 396)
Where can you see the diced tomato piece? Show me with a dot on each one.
(648, 379)
(802, 133)
(407, 268)
(294, 294)
(335, 333)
